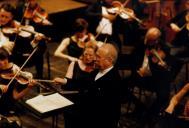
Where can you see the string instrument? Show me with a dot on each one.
(158, 57)
(24, 80)
(23, 31)
(20, 79)
(81, 39)
(125, 13)
(18, 30)
(37, 14)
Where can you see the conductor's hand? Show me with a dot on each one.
(59, 80)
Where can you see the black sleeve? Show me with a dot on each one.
(94, 10)
(70, 85)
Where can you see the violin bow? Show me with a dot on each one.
(22, 19)
(126, 2)
(22, 66)
(31, 54)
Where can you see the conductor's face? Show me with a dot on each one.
(101, 59)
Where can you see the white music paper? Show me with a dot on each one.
(48, 103)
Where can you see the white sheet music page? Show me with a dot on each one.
(47, 103)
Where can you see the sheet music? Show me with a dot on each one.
(47, 103)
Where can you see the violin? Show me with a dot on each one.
(20, 79)
(118, 8)
(158, 57)
(125, 13)
(19, 29)
(37, 14)
(23, 31)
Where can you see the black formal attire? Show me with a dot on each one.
(23, 46)
(103, 104)
(181, 40)
(7, 102)
(74, 50)
(160, 79)
(74, 115)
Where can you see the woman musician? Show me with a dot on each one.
(11, 92)
(76, 42)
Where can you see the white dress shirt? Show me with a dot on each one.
(102, 73)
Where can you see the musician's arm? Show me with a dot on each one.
(68, 76)
(177, 98)
(59, 52)
(175, 23)
(93, 10)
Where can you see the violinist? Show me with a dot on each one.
(154, 75)
(31, 12)
(76, 42)
(179, 26)
(11, 92)
(104, 23)
(7, 19)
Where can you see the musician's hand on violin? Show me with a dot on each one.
(175, 27)
(3, 88)
(32, 82)
(162, 64)
(36, 39)
(58, 80)
(39, 36)
(9, 30)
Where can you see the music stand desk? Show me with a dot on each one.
(53, 113)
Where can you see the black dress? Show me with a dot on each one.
(74, 115)
(7, 102)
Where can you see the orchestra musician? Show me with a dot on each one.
(180, 27)
(11, 92)
(24, 41)
(31, 12)
(103, 23)
(157, 71)
(76, 42)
